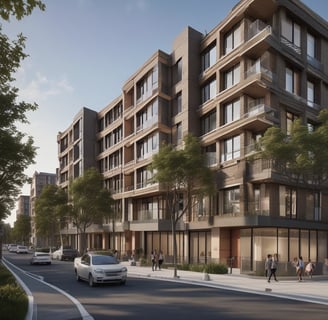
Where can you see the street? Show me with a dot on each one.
(143, 298)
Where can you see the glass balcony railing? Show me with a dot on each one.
(257, 27)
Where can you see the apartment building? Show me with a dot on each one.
(265, 64)
(39, 180)
(23, 205)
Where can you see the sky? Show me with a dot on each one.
(82, 51)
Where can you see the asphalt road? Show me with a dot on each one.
(152, 299)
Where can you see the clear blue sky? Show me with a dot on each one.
(82, 51)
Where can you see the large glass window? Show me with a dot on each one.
(310, 45)
(230, 149)
(292, 32)
(209, 91)
(287, 202)
(232, 76)
(232, 111)
(232, 39)
(310, 93)
(208, 123)
(290, 118)
(231, 200)
(209, 57)
(292, 80)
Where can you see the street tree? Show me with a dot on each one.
(17, 149)
(91, 203)
(22, 229)
(302, 156)
(182, 173)
(51, 209)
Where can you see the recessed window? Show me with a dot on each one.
(231, 111)
(232, 200)
(209, 91)
(230, 149)
(232, 76)
(208, 123)
(209, 57)
(292, 80)
(232, 39)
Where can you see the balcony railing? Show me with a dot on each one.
(258, 68)
(290, 45)
(256, 27)
(315, 63)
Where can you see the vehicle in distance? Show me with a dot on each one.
(99, 268)
(12, 247)
(21, 249)
(65, 254)
(41, 258)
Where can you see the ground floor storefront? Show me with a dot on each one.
(242, 248)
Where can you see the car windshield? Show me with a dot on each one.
(100, 260)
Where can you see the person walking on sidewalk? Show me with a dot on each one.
(300, 268)
(273, 261)
(267, 265)
(160, 259)
(153, 257)
(309, 268)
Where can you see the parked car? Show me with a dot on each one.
(41, 258)
(65, 254)
(21, 249)
(12, 247)
(98, 268)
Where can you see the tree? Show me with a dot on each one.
(91, 202)
(22, 229)
(302, 156)
(182, 172)
(17, 150)
(50, 210)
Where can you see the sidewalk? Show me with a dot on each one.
(313, 290)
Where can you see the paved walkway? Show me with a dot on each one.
(313, 290)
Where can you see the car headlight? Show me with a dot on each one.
(124, 269)
(99, 271)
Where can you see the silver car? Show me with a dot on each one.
(41, 258)
(97, 268)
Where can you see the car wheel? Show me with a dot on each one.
(123, 282)
(91, 282)
(77, 277)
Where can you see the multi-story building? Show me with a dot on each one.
(265, 64)
(23, 205)
(39, 180)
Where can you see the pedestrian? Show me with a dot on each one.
(153, 258)
(273, 261)
(267, 266)
(300, 268)
(160, 259)
(310, 268)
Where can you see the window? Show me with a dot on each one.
(232, 77)
(209, 91)
(310, 93)
(177, 72)
(209, 57)
(232, 39)
(208, 123)
(287, 202)
(231, 200)
(147, 116)
(317, 207)
(230, 149)
(257, 199)
(310, 45)
(179, 133)
(231, 111)
(292, 81)
(291, 31)
(177, 104)
(144, 178)
(290, 118)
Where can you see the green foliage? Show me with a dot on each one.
(303, 155)
(212, 268)
(17, 149)
(13, 300)
(22, 229)
(91, 202)
(18, 8)
(50, 210)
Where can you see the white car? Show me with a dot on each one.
(12, 247)
(41, 258)
(21, 249)
(97, 268)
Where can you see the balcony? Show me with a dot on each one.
(315, 63)
(257, 27)
(290, 45)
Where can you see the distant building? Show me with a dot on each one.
(39, 180)
(23, 205)
(264, 65)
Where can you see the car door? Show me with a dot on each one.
(84, 266)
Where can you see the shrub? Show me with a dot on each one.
(13, 300)
(215, 268)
